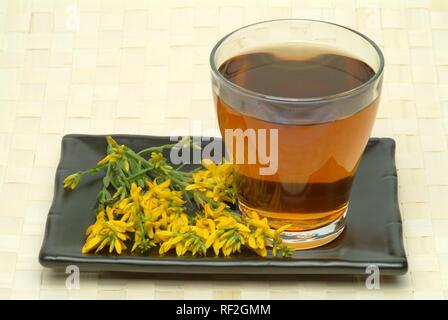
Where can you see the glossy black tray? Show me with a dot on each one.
(373, 235)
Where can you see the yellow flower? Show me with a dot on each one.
(205, 224)
(118, 193)
(72, 181)
(213, 213)
(278, 231)
(119, 149)
(107, 232)
(135, 192)
(109, 158)
(261, 251)
(111, 141)
(216, 182)
(178, 222)
(182, 242)
(225, 222)
(160, 190)
(156, 157)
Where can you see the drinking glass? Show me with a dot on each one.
(317, 141)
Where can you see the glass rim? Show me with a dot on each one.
(335, 96)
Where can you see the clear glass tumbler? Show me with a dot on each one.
(296, 102)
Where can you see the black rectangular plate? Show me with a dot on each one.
(373, 235)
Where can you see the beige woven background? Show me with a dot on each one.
(135, 66)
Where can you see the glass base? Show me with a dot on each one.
(308, 239)
(303, 240)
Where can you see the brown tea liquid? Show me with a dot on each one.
(316, 162)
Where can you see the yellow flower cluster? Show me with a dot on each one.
(216, 182)
(144, 212)
(115, 154)
(156, 216)
(108, 230)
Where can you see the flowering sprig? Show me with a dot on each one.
(142, 204)
(122, 166)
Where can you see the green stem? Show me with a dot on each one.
(179, 182)
(137, 157)
(108, 170)
(92, 170)
(182, 173)
(114, 185)
(123, 176)
(155, 149)
(138, 174)
(181, 166)
(141, 227)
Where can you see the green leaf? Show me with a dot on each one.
(106, 180)
(133, 166)
(104, 196)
